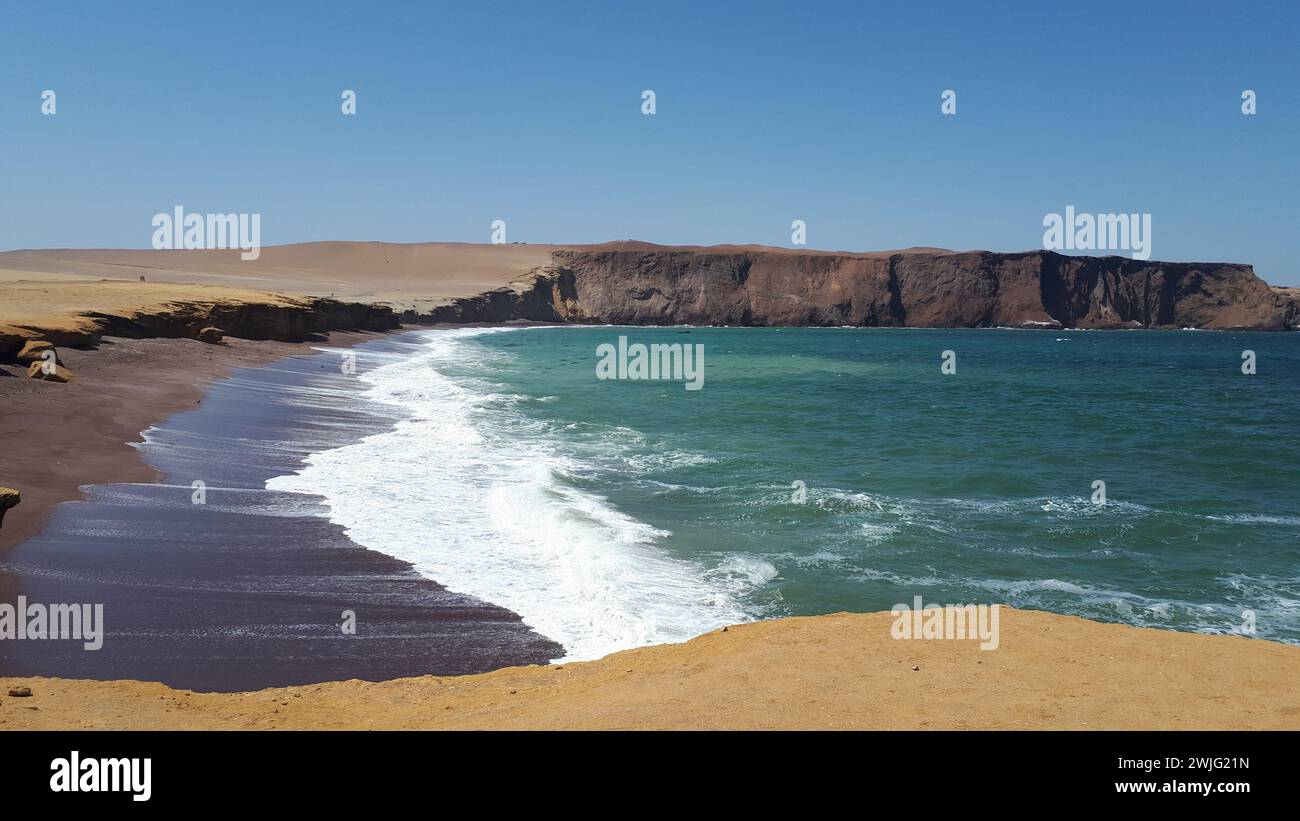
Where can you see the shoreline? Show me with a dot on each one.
(245, 589)
(120, 389)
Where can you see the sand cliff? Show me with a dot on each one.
(78, 314)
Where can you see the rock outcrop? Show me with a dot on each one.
(49, 372)
(289, 320)
(210, 335)
(549, 294)
(277, 317)
(8, 498)
(666, 286)
(1287, 300)
(34, 351)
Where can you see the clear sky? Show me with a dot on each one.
(766, 113)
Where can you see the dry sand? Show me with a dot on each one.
(840, 671)
(34, 307)
(415, 275)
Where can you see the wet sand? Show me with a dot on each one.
(59, 437)
(247, 589)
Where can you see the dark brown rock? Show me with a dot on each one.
(1036, 289)
(8, 498)
(210, 335)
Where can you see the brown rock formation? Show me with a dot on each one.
(8, 498)
(547, 294)
(34, 351)
(640, 284)
(76, 315)
(1287, 300)
(49, 373)
(292, 319)
(918, 289)
(210, 335)
(624, 282)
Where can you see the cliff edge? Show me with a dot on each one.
(937, 289)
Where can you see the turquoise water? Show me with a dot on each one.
(611, 513)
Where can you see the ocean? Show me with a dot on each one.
(830, 469)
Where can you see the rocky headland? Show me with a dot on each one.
(937, 289)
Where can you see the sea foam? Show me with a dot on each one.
(477, 497)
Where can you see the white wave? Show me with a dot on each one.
(742, 572)
(875, 533)
(1078, 506)
(1257, 518)
(665, 488)
(1277, 612)
(817, 559)
(475, 497)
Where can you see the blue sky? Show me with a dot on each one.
(531, 113)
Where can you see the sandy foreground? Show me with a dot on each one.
(841, 671)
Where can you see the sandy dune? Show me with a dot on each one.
(373, 271)
(841, 671)
(402, 275)
(51, 289)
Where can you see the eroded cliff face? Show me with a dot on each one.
(283, 318)
(947, 290)
(548, 294)
(1287, 300)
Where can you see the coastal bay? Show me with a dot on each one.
(247, 591)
